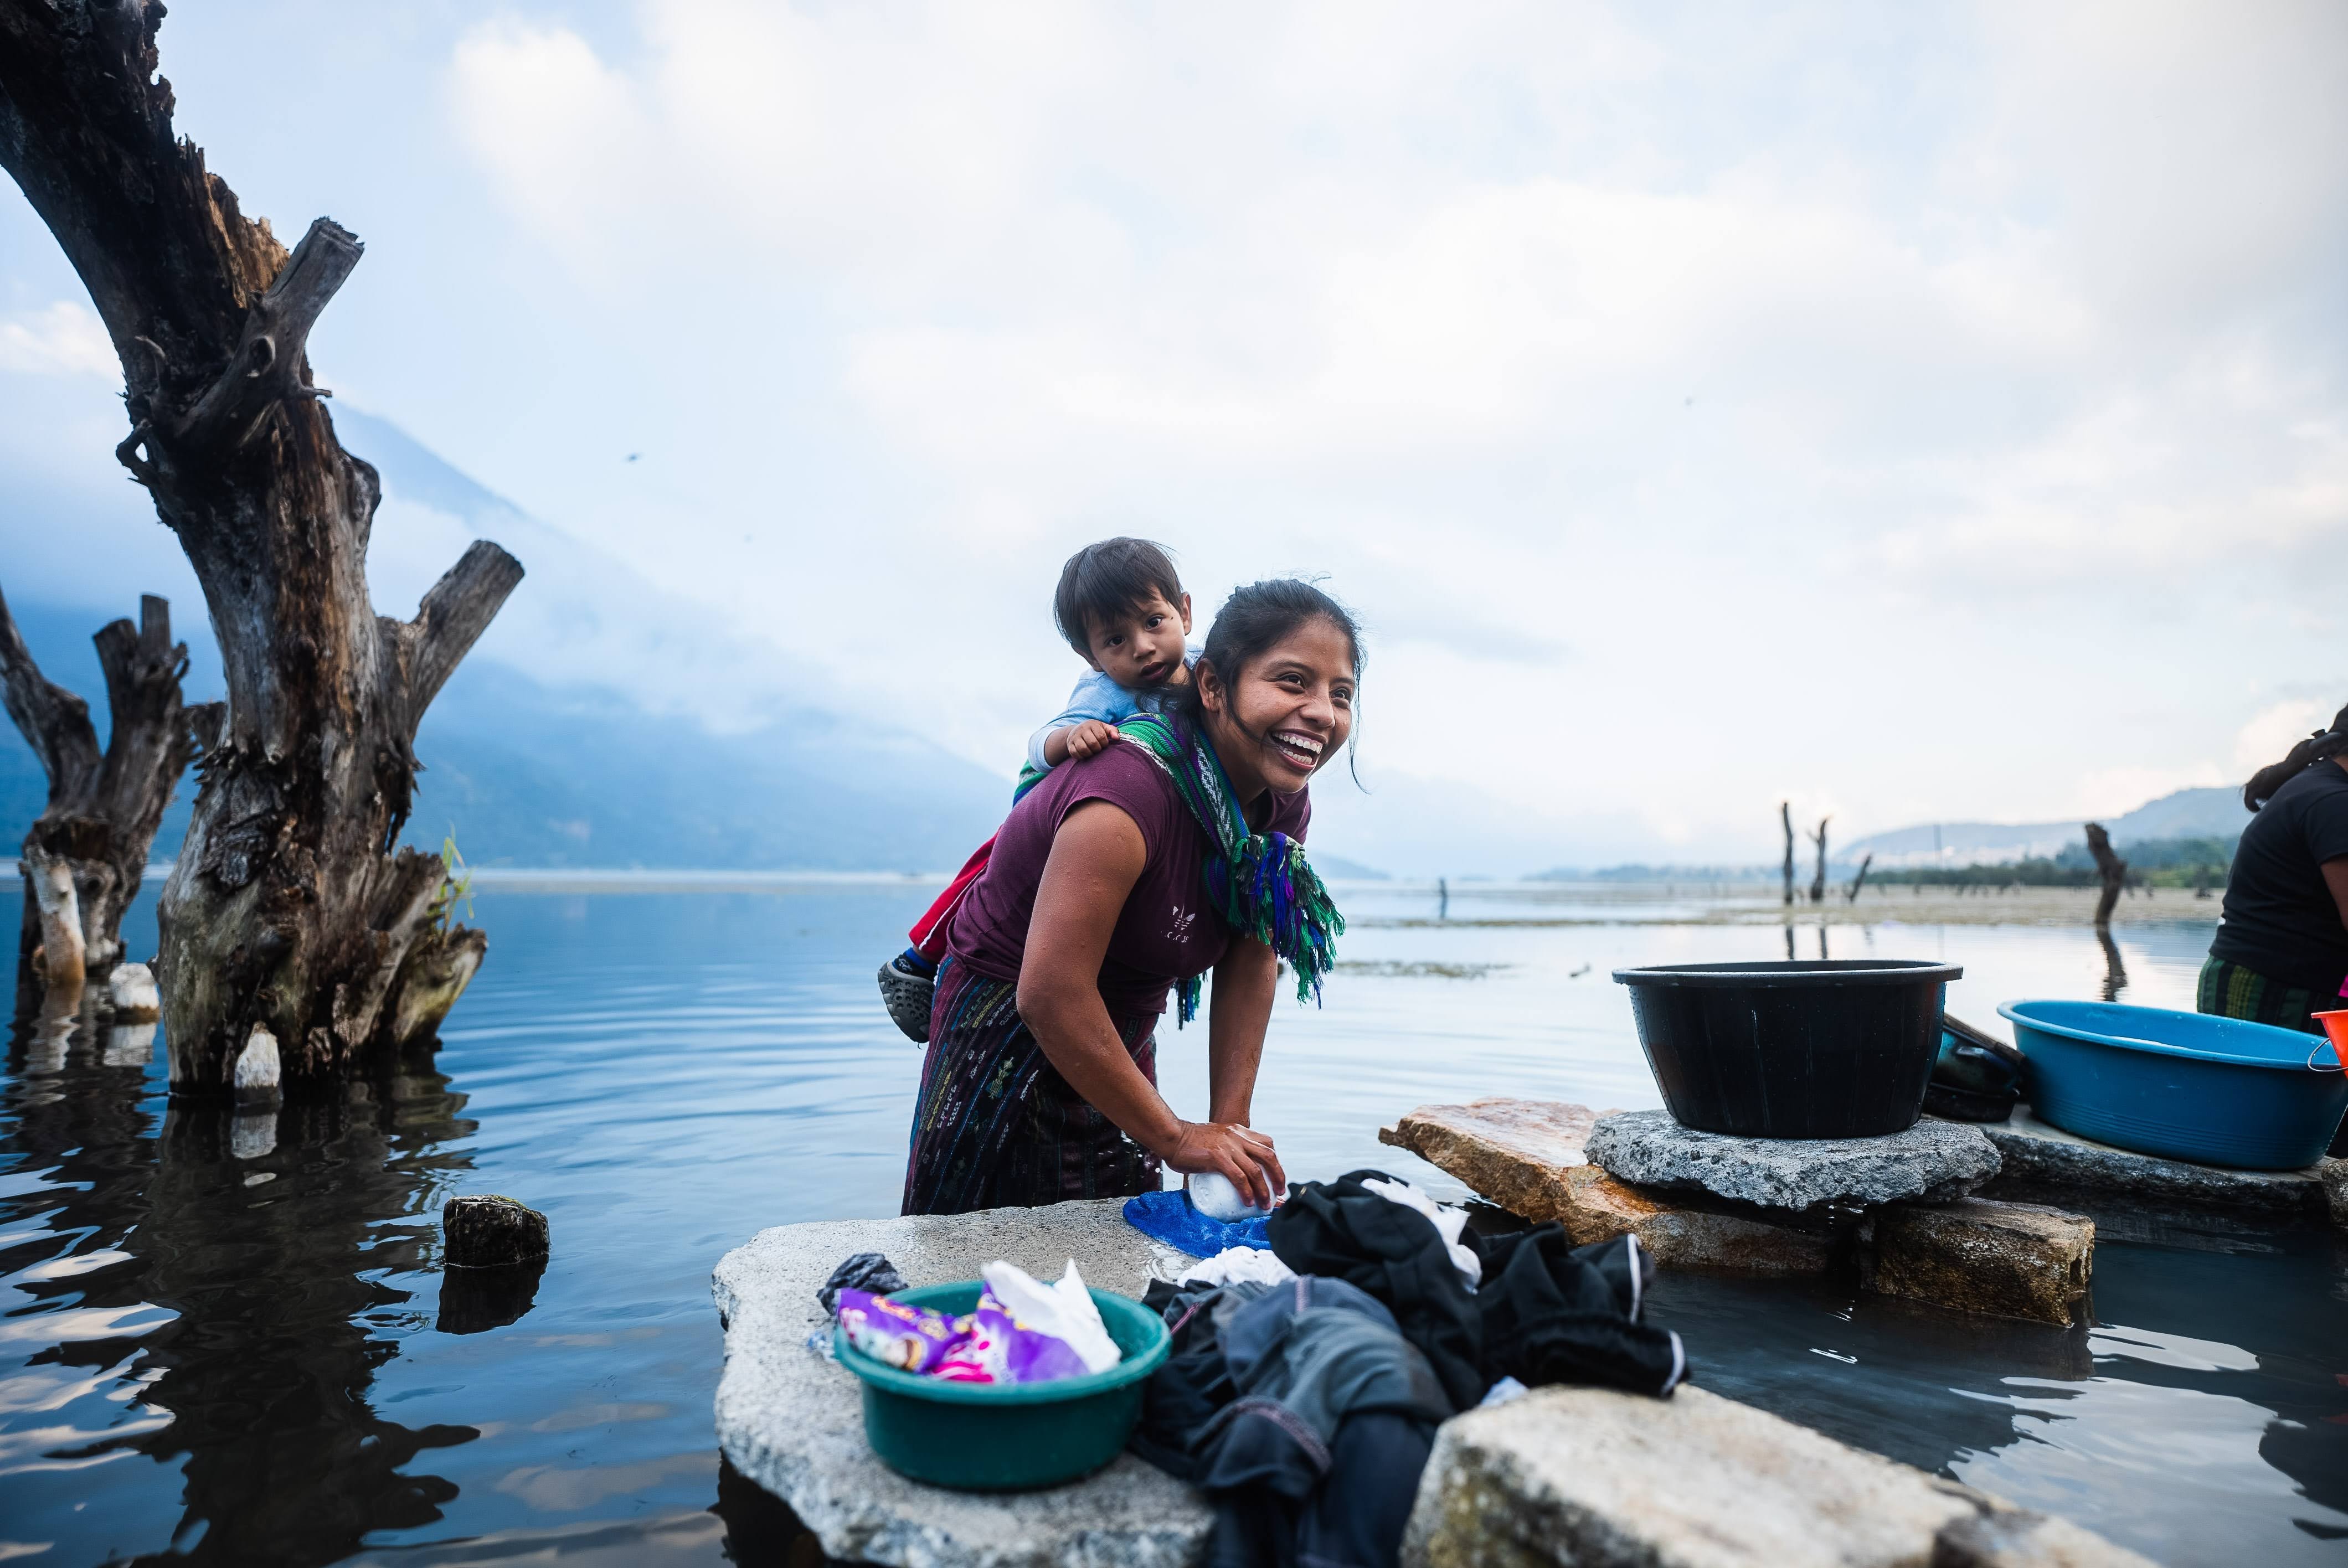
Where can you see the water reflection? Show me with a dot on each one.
(210, 1286)
(2114, 972)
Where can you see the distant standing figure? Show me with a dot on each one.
(2281, 953)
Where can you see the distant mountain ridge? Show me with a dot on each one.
(532, 772)
(2211, 812)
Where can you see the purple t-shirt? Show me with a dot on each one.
(1167, 929)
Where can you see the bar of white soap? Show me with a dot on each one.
(1214, 1195)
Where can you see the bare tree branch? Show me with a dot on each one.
(55, 723)
(454, 614)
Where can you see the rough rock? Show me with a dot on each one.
(1998, 1259)
(257, 1068)
(1598, 1479)
(1526, 1156)
(131, 995)
(2335, 1190)
(2041, 1158)
(1683, 1235)
(793, 1421)
(1932, 1160)
(1510, 1152)
(485, 1230)
(2017, 1538)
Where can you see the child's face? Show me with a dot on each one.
(1142, 647)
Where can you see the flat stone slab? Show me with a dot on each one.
(1993, 1259)
(793, 1421)
(1596, 1478)
(1526, 1155)
(1931, 1162)
(2037, 1155)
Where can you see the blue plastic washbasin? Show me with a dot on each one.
(2186, 1086)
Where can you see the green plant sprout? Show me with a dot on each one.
(456, 883)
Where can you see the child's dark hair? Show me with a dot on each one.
(2321, 746)
(1255, 619)
(1102, 582)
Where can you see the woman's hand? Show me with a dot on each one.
(1241, 1154)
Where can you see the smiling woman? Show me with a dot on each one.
(1122, 875)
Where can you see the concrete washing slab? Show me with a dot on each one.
(1566, 1476)
(1931, 1162)
(1535, 1159)
(794, 1421)
(2042, 1158)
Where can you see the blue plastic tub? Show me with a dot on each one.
(2186, 1085)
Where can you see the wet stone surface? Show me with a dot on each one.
(1931, 1162)
(792, 1420)
(1526, 1155)
(490, 1231)
(2041, 1158)
(1596, 1478)
(1995, 1259)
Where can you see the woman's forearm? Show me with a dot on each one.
(1081, 1042)
(1237, 1015)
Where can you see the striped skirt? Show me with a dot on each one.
(2229, 990)
(996, 1126)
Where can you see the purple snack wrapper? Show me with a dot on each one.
(910, 1339)
(999, 1349)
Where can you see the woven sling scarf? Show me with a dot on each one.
(1260, 883)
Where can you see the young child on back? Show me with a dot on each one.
(1120, 605)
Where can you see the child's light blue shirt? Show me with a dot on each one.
(1097, 697)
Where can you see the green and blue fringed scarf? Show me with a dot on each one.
(1260, 883)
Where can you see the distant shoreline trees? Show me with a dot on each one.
(2152, 863)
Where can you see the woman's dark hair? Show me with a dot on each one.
(1102, 582)
(2321, 746)
(1255, 619)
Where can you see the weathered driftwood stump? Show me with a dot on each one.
(488, 1231)
(86, 853)
(289, 906)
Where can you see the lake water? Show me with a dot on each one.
(221, 1340)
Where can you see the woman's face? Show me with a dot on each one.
(1287, 714)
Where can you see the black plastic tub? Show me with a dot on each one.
(1838, 1048)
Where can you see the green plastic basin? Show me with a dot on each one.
(1016, 1437)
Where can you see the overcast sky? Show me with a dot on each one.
(1922, 411)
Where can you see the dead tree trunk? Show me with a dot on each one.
(2111, 868)
(288, 908)
(87, 852)
(1860, 881)
(1818, 882)
(1785, 820)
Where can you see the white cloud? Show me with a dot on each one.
(2269, 737)
(64, 339)
(1937, 412)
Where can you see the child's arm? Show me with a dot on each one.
(1079, 739)
(1094, 708)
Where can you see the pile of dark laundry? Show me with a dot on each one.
(1306, 1410)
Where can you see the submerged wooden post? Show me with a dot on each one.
(2110, 867)
(1860, 881)
(84, 854)
(1785, 820)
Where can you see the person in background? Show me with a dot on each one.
(2281, 953)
